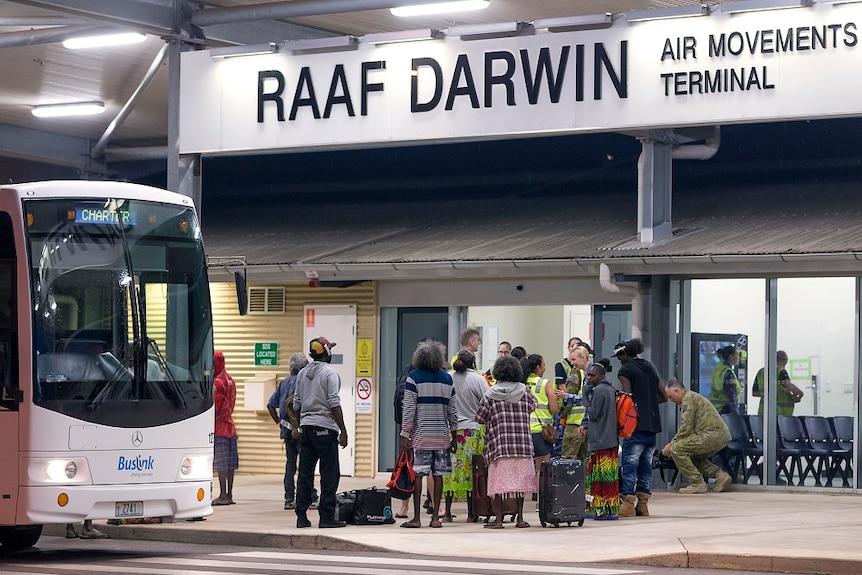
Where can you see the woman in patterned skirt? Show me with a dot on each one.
(603, 470)
(505, 410)
(470, 387)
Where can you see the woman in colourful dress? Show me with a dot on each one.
(470, 386)
(603, 470)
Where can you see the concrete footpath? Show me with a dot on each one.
(750, 529)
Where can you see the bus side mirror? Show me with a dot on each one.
(241, 292)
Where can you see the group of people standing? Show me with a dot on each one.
(512, 415)
(516, 417)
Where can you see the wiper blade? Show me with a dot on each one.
(107, 361)
(173, 386)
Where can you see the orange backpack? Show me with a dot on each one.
(627, 414)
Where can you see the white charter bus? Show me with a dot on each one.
(106, 407)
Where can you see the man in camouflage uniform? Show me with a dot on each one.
(701, 434)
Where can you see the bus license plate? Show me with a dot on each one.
(129, 509)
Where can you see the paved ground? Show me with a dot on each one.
(782, 531)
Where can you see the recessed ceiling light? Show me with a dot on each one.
(103, 40)
(439, 8)
(71, 109)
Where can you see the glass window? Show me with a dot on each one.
(121, 312)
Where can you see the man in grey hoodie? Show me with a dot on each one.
(322, 431)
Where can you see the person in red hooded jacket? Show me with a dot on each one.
(226, 457)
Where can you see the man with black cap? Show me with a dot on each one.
(322, 431)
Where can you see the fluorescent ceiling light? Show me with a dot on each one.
(439, 8)
(575, 23)
(328, 44)
(103, 40)
(666, 13)
(403, 36)
(483, 31)
(755, 5)
(839, 2)
(72, 109)
(246, 50)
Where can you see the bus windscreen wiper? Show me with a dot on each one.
(172, 385)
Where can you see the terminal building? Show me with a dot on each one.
(693, 182)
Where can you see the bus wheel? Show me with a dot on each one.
(20, 536)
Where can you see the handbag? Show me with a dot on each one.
(662, 463)
(373, 506)
(402, 482)
(549, 434)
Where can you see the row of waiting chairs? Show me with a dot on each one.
(806, 445)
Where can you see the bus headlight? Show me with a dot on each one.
(57, 471)
(195, 467)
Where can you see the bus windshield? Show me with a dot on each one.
(121, 311)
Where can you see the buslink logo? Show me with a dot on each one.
(136, 463)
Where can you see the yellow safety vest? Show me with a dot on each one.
(542, 414)
(716, 392)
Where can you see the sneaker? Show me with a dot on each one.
(290, 504)
(314, 504)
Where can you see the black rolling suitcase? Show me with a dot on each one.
(561, 492)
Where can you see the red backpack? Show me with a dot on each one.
(402, 482)
(627, 414)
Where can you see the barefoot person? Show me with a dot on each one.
(429, 424)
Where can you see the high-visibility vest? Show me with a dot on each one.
(716, 392)
(574, 384)
(783, 398)
(542, 414)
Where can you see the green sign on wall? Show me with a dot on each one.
(265, 353)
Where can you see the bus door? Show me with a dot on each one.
(10, 391)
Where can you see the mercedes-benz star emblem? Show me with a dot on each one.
(137, 438)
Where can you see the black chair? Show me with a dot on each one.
(819, 453)
(732, 457)
(755, 452)
(791, 441)
(842, 430)
(842, 427)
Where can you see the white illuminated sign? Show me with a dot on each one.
(716, 69)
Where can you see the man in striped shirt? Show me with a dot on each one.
(429, 423)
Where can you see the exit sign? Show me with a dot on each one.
(265, 353)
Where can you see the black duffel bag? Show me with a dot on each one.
(372, 506)
(344, 503)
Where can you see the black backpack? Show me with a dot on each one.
(398, 400)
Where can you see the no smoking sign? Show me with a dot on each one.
(363, 395)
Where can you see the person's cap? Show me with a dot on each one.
(619, 348)
(320, 346)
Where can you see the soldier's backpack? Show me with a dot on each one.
(627, 414)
